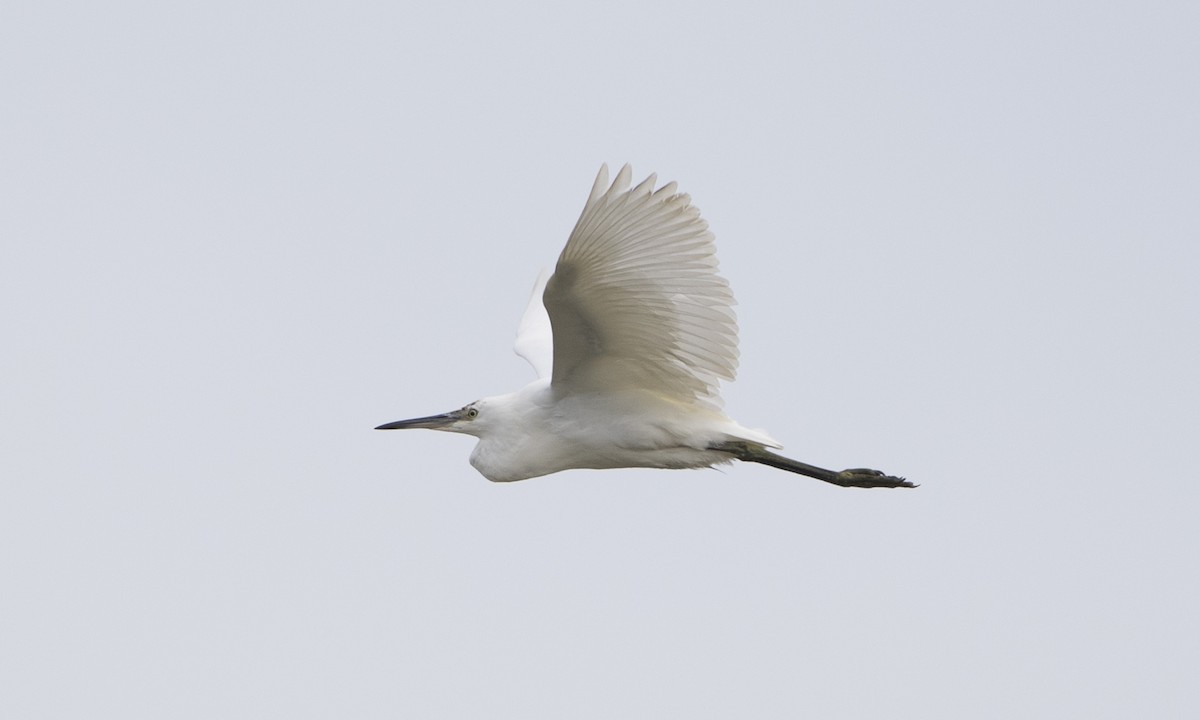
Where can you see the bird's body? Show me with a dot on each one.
(532, 432)
(630, 338)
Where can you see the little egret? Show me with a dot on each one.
(629, 338)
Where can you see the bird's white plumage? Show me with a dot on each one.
(635, 300)
(535, 341)
(632, 334)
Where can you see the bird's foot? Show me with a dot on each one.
(867, 478)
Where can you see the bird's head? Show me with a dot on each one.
(464, 420)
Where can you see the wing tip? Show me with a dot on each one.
(601, 183)
(622, 180)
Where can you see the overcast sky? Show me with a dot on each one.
(964, 238)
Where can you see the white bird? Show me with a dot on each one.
(629, 339)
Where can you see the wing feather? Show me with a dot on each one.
(534, 336)
(635, 300)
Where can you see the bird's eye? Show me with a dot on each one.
(472, 413)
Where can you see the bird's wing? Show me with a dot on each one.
(534, 339)
(636, 301)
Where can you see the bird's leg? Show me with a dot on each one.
(857, 477)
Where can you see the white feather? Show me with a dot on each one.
(535, 341)
(636, 302)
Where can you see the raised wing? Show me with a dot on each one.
(534, 338)
(636, 301)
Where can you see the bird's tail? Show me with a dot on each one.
(859, 477)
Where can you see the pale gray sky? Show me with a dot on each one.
(237, 236)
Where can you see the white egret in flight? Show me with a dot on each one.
(629, 338)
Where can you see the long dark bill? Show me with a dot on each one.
(433, 422)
